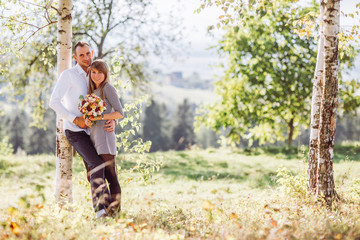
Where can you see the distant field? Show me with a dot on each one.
(197, 194)
(175, 95)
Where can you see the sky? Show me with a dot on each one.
(198, 57)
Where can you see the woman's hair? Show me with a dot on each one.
(101, 66)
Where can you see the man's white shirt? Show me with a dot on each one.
(64, 100)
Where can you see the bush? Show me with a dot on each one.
(295, 186)
(6, 148)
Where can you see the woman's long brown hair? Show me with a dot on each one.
(101, 66)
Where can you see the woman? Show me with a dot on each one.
(105, 142)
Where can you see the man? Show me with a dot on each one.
(64, 101)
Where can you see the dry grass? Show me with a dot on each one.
(212, 194)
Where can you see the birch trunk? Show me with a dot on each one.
(315, 110)
(63, 185)
(329, 102)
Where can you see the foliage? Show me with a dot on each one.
(153, 126)
(268, 79)
(234, 13)
(183, 129)
(42, 140)
(206, 138)
(292, 185)
(14, 129)
(33, 140)
(6, 147)
(137, 27)
(30, 57)
(266, 89)
(113, 28)
(129, 141)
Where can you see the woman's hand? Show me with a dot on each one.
(110, 126)
(88, 122)
(92, 118)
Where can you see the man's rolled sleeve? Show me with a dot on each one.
(58, 94)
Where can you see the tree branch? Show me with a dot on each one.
(32, 25)
(98, 13)
(108, 52)
(57, 10)
(49, 4)
(36, 32)
(37, 5)
(109, 16)
(121, 22)
(86, 34)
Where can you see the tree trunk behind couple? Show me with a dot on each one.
(63, 185)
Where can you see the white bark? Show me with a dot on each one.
(63, 188)
(315, 110)
(325, 177)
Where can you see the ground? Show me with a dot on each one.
(197, 194)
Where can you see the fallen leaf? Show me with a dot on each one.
(39, 206)
(4, 236)
(338, 236)
(233, 216)
(208, 206)
(273, 222)
(133, 226)
(15, 228)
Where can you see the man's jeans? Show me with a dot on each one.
(94, 166)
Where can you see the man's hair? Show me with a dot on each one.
(80, 44)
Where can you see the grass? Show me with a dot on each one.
(198, 194)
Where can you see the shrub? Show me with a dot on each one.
(6, 148)
(295, 186)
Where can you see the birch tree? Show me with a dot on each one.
(315, 112)
(23, 30)
(63, 188)
(324, 102)
(329, 101)
(125, 33)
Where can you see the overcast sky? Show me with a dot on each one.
(198, 58)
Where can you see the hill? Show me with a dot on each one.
(172, 95)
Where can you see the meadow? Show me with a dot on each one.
(197, 194)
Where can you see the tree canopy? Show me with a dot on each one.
(122, 32)
(265, 93)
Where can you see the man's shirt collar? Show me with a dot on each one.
(80, 70)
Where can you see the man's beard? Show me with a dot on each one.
(85, 66)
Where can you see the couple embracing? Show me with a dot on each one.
(93, 138)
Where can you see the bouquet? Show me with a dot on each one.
(91, 105)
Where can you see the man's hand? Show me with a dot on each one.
(80, 122)
(88, 122)
(110, 126)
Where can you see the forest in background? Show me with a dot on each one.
(272, 111)
(167, 130)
